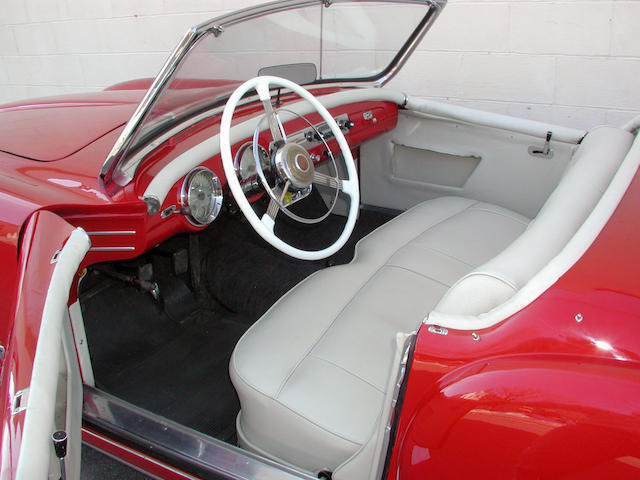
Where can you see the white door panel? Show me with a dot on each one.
(43, 361)
(426, 157)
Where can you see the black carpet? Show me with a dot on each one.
(179, 371)
(246, 274)
(95, 465)
(172, 359)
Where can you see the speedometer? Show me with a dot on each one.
(201, 196)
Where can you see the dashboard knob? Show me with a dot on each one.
(345, 124)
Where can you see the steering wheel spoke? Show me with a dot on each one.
(282, 193)
(326, 180)
(272, 209)
(275, 125)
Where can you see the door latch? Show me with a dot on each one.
(545, 151)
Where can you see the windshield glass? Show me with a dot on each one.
(343, 42)
(307, 42)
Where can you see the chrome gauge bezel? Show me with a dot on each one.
(237, 160)
(215, 204)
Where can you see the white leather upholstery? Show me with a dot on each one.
(589, 173)
(313, 373)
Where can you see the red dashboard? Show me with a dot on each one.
(123, 228)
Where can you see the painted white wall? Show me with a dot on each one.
(573, 62)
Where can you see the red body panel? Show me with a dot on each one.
(540, 395)
(43, 235)
(544, 394)
(51, 129)
(132, 457)
(70, 186)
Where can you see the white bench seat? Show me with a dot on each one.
(312, 374)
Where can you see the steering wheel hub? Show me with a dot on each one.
(295, 165)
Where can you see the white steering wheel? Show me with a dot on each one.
(295, 170)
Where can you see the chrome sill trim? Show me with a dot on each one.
(112, 249)
(112, 174)
(188, 449)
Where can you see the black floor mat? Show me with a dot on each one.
(178, 368)
(246, 274)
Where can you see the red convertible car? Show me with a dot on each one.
(182, 289)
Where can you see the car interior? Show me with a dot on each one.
(233, 266)
(297, 360)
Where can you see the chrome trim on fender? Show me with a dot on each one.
(113, 232)
(396, 405)
(113, 173)
(187, 449)
(112, 249)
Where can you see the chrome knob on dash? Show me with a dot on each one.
(345, 124)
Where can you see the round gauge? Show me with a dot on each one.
(201, 196)
(245, 162)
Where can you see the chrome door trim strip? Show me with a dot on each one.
(183, 447)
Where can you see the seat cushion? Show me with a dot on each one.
(312, 373)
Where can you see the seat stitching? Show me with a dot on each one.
(446, 254)
(435, 280)
(501, 214)
(422, 245)
(495, 276)
(347, 371)
(375, 273)
(298, 414)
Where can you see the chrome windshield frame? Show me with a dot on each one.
(117, 171)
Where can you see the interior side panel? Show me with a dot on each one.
(428, 157)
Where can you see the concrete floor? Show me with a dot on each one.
(98, 466)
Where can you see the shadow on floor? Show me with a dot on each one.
(95, 465)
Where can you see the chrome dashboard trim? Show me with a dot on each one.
(180, 446)
(117, 171)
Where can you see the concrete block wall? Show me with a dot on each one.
(572, 62)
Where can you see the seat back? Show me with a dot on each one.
(593, 165)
